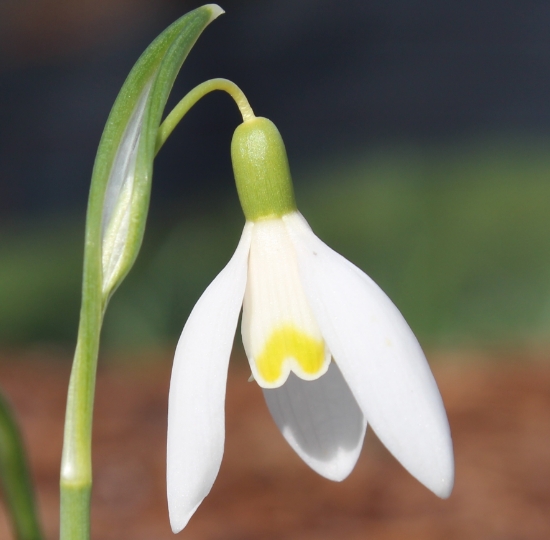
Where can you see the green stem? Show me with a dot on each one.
(151, 79)
(15, 478)
(76, 461)
(181, 109)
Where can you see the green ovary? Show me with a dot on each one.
(288, 342)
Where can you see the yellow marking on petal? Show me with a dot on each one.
(289, 342)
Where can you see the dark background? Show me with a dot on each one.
(334, 76)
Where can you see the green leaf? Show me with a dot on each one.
(15, 478)
(121, 180)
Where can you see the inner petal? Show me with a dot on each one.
(304, 354)
(280, 333)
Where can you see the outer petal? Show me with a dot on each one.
(196, 429)
(321, 421)
(380, 359)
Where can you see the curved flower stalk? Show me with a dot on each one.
(328, 347)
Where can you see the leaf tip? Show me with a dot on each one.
(215, 11)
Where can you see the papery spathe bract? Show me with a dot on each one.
(117, 208)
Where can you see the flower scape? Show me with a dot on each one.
(329, 349)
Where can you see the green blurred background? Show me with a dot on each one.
(418, 135)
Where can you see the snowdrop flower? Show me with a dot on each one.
(329, 349)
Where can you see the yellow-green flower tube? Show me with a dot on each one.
(262, 174)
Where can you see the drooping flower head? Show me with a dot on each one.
(329, 349)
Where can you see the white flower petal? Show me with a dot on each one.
(196, 407)
(321, 421)
(380, 359)
(278, 328)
